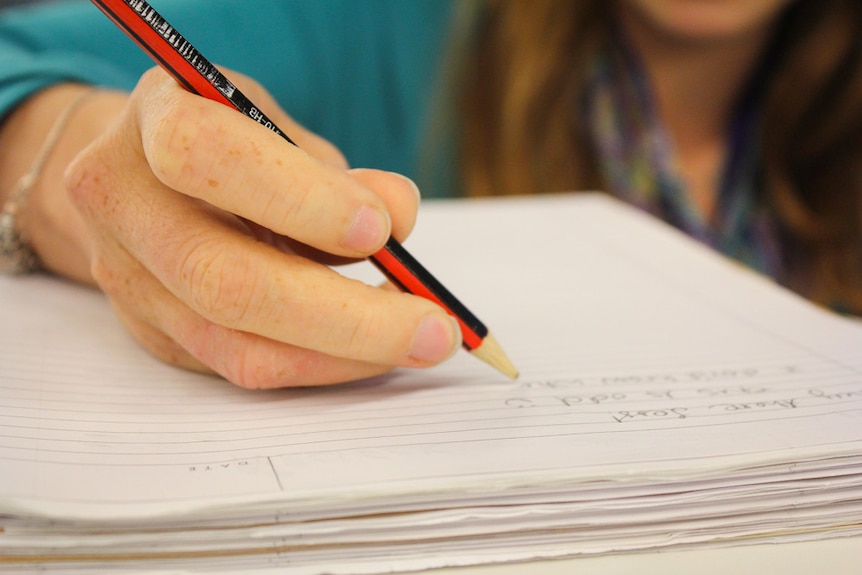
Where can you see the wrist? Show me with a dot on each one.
(52, 225)
(17, 255)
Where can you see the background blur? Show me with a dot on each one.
(7, 3)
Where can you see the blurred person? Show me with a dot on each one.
(737, 121)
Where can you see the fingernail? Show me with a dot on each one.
(368, 232)
(436, 338)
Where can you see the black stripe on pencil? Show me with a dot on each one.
(192, 71)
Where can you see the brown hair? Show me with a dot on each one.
(529, 65)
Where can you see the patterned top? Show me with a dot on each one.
(638, 161)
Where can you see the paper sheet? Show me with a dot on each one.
(644, 360)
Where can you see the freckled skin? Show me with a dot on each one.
(174, 183)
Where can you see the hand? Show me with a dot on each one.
(209, 234)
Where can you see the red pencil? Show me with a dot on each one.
(196, 74)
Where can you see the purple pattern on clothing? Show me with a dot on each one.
(638, 161)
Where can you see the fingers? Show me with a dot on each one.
(208, 151)
(400, 195)
(207, 260)
(195, 283)
(257, 316)
(150, 312)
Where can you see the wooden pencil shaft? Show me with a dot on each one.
(198, 75)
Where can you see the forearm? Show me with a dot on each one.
(48, 219)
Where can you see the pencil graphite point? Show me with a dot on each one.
(491, 353)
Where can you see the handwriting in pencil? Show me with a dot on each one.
(650, 414)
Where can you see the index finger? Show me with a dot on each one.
(208, 151)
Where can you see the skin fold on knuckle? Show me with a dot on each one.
(239, 368)
(369, 331)
(256, 366)
(293, 212)
(222, 283)
(255, 363)
(245, 360)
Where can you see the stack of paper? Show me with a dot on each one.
(667, 398)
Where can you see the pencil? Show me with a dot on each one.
(192, 71)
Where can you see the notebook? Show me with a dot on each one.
(668, 398)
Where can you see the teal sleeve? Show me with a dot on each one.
(360, 73)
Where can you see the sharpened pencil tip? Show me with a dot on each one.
(491, 353)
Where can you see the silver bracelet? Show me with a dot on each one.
(16, 254)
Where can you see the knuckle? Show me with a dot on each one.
(366, 331)
(252, 364)
(83, 179)
(240, 370)
(222, 282)
(292, 211)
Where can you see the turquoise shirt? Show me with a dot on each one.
(360, 73)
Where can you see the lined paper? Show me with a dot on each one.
(646, 362)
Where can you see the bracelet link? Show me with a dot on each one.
(16, 255)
